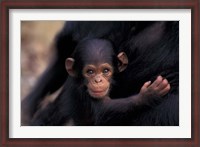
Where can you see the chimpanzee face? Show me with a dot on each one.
(98, 79)
(94, 61)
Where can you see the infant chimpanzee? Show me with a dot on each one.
(92, 69)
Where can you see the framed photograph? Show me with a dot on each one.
(28, 33)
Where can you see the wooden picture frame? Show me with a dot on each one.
(7, 5)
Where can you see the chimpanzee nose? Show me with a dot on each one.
(98, 80)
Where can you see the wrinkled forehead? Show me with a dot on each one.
(98, 62)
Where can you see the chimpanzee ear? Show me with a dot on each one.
(69, 62)
(123, 61)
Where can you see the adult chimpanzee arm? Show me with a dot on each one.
(59, 111)
(53, 78)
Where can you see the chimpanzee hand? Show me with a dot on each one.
(151, 92)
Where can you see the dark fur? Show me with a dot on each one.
(152, 49)
(79, 105)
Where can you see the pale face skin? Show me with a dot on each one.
(98, 78)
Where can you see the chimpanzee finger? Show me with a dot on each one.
(163, 84)
(165, 90)
(146, 85)
(156, 82)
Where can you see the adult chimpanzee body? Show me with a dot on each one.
(152, 49)
(87, 101)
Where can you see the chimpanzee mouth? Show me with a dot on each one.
(98, 93)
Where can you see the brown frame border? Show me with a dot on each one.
(194, 5)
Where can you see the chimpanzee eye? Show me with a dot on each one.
(90, 72)
(106, 70)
